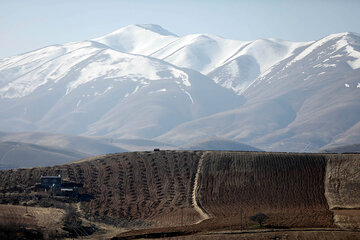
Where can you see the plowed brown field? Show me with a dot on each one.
(289, 188)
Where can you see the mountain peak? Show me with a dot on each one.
(340, 35)
(156, 28)
(139, 38)
(135, 28)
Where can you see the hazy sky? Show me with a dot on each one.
(27, 25)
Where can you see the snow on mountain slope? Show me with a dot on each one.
(329, 57)
(293, 96)
(158, 107)
(208, 54)
(138, 39)
(201, 52)
(42, 67)
(244, 67)
(343, 40)
(86, 60)
(305, 102)
(237, 74)
(89, 88)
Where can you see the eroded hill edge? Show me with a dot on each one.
(342, 189)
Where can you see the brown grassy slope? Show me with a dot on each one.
(146, 186)
(289, 188)
(49, 219)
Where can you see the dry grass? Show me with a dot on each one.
(47, 219)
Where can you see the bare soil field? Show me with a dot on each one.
(347, 219)
(278, 235)
(48, 220)
(201, 194)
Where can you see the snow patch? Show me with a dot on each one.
(158, 91)
(135, 90)
(325, 65)
(162, 90)
(105, 91)
(355, 64)
(191, 99)
(182, 75)
(78, 103)
(336, 56)
(308, 77)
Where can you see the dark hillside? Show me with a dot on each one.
(289, 188)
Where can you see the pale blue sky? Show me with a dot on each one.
(27, 25)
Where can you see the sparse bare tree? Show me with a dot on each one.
(259, 218)
(72, 221)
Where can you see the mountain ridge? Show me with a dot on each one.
(272, 94)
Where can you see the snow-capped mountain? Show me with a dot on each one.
(231, 63)
(88, 88)
(142, 81)
(304, 102)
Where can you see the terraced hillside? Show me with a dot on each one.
(152, 186)
(217, 190)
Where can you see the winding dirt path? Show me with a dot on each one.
(199, 209)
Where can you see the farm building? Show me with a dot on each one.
(69, 192)
(51, 181)
(58, 187)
